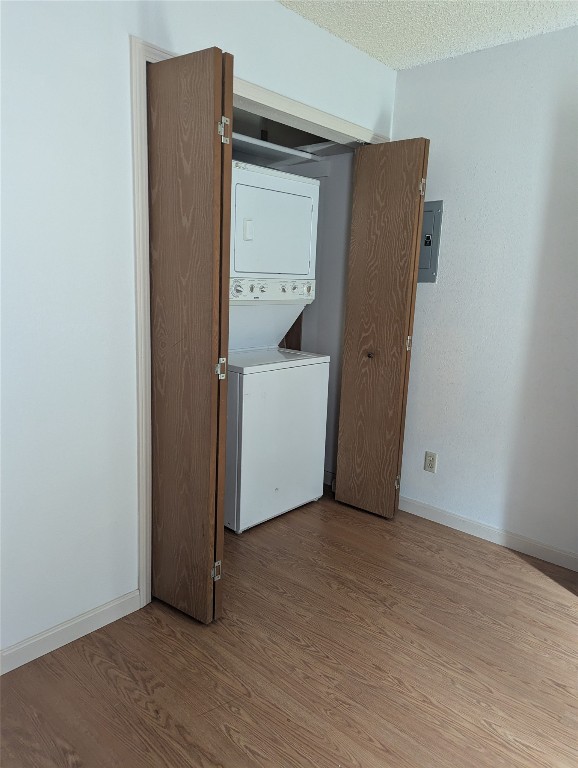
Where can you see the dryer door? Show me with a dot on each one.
(272, 232)
(274, 228)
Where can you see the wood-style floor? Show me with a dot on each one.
(347, 640)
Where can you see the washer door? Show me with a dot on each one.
(282, 441)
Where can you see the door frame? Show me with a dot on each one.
(247, 96)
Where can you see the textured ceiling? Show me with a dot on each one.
(404, 34)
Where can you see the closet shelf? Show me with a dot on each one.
(265, 150)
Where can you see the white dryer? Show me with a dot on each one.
(273, 247)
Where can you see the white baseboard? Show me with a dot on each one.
(51, 639)
(489, 533)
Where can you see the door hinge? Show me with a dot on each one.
(221, 368)
(397, 481)
(408, 343)
(222, 127)
(216, 571)
(422, 187)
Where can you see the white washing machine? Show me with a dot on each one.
(277, 405)
(277, 412)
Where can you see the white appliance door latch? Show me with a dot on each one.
(221, 368)
(222, 129)
(248, 229)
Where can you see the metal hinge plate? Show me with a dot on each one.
(408, 343)
(221, 368)
(222, 127)
(422, 187)
(216, 571)
(397, 481)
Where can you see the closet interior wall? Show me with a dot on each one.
(323, 320)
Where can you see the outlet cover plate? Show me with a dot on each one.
(431, 462)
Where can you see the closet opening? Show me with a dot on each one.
(283, 270)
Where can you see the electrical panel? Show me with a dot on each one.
(430, 241)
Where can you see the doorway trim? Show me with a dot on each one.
(248, 96)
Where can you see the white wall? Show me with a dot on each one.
(69, 516)
(494, 376)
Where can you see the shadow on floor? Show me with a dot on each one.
(562, 576)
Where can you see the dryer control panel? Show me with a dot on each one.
(248, 289)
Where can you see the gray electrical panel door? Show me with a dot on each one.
(430, 241)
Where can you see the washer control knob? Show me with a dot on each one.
(294, 288)
(237, 289)
(262, 288)
(308, 288)
(283, 289)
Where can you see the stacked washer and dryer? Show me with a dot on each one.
(277, 403)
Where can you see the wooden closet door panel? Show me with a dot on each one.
(382, 279)
(226, 182)
(185, 99)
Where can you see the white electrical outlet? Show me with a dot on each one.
(431, 461)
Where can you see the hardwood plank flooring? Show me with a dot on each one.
(347, 640)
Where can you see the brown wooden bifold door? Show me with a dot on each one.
(189, 202)
(388, 188)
